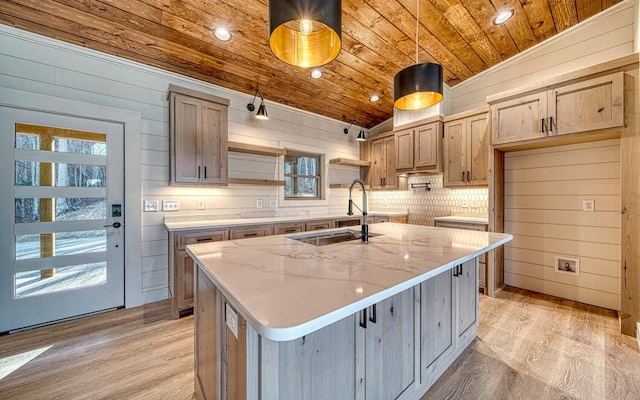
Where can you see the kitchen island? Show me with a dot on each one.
(279, 318)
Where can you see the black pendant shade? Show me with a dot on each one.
(305, 33)
(418, 86)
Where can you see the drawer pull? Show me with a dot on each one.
(290, 230)
(250, 234)
(208, 239)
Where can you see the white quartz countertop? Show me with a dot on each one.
(464, 219)
(175, 224)
(287, 289)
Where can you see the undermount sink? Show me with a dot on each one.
(325, 238)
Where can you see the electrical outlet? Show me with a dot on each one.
(201, 204)
(259, 203)
(465, 204)
(150, 206)
(170, 205)
(273, 203)
(588, 205)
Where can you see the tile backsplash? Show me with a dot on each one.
(424, 205)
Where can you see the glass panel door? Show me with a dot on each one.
(66, 241)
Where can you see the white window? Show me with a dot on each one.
(302, 175)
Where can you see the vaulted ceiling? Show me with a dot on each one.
(378, 40)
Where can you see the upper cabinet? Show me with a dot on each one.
(587, 105)
(380, 151)
(418, 148)
(466, 149)
(198, 129)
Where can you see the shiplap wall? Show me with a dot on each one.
(37, 64)
(601, 38)
(544, 190)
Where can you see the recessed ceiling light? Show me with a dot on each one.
(222, 34)
(316, 73)
(374, 98)
(502, 17)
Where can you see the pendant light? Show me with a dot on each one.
(305, 33)
(420, 85)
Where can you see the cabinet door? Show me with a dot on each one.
(404, 149)
(519, 119)
(589, 105)
(187, 127)
(377, 163)
(436, 333)
(390, 347)
(426, 146)
(214, 144)
(208, 320)
(184, 280)
(477, 149)
(467, 295)
(455, 165)
(390, 180)
(318, 366)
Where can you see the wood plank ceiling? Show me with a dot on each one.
(378, 40)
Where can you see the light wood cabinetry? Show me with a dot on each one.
(246, 232)
(380, 151)
(449, 315)
(586, 105)
(404, 219)
(182, 267)
(198, 132)
(208, 350)
(390, 345)
(318, 225)
(418, 148)
(466, 149)
(292, 227)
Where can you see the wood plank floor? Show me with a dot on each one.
(529, 346)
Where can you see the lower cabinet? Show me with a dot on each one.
(395, 349)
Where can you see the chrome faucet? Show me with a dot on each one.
(365, 227)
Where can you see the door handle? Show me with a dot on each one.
(550, 124)
(373, 318)
(363, 318)
(114, 225)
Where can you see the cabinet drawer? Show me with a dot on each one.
(378, 218)
(184, 239)
(250, 232)
(461, 225)
(280, 229)
(317, 225)
(400, 220)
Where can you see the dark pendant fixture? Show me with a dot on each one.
(419, 85)
(305, 33)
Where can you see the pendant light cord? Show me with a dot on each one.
(417, 26)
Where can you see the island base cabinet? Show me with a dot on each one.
(207, 352)
(449, 311)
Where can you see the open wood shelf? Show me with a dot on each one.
(350, 162)
(264, 182)
(237, 147)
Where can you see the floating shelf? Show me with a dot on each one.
(346, 186)
(264, 182)
(349, 162)
(237, 147)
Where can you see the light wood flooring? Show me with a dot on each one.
(529, 346)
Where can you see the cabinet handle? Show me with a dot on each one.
(205, 172)
(462, 178)
(542, 125)
(550, 124)
(468, 176)
(290, 230)
(373, 317)
(209, 239)
(250, 234)
(363, 318)
(455, 271)
(198, 172)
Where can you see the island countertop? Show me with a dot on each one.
(286, 289)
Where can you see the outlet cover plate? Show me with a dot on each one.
(201, 204)
(588, 205)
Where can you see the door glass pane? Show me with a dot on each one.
(79, 146)
(32, 283)
(64, 243)
(67, 209)
(80, 175)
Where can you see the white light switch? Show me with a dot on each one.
(170, 205)
(588, 205)
(150, 206)
(200, 204)
(259, 203)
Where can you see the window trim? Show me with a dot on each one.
(320, 178)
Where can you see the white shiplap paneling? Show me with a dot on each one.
(544, 190)
(33, 63)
